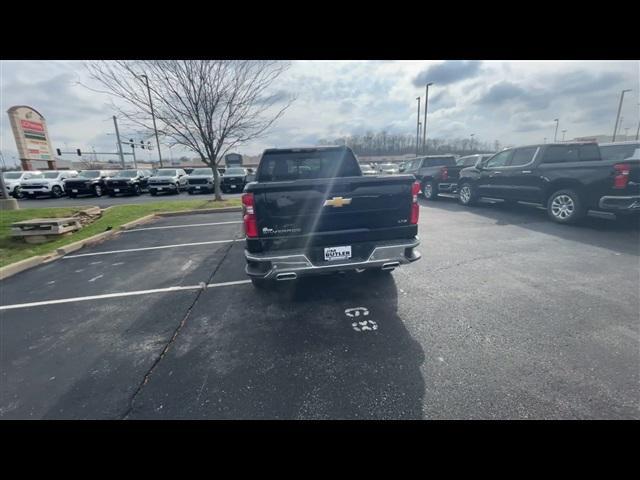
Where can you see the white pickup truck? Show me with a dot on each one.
(49, 183)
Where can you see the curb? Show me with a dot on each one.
(22, 265)
(28, 263)
(195, 212)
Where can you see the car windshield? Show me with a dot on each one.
(127, 174)
(12, 175)
(37, 175)
(202, 171)
(51, 174)
(89, 174)
(166, 173)
(235, 171)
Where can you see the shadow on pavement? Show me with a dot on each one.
(292, 353)
(621, 235)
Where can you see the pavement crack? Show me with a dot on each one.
(176, 332)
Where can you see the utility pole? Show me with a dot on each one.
(153, 116)
(563, 132)
(115, 122)
(638, 131)
(426, 104)
(615, 128)
(555, 136)
(418, 128)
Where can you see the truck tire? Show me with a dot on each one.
(97, 190)
(136, 190)
(17, 193)
(467, 195)
(565, 206)
(429, 190)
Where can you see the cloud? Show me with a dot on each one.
(504, 92)
(447, 73)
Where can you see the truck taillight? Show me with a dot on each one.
(249, 216)
(444, 173)
(415, 207)
(621, 177)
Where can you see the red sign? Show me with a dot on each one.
(32, 125)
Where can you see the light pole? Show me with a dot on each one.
(563, 132)
(471, 142)
(418, 128)
(638, 131)
(153, 116)
(545, 139)
(615, 128)
(555, 135)
(426, 105)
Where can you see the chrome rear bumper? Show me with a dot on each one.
(289, 265)
(630, 203)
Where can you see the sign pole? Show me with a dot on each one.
(115, 122)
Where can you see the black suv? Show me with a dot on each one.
(568, 179)
(88, 182)
(128, 181)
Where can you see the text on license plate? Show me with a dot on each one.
(74, 190)
(116, 190)
(337, 253)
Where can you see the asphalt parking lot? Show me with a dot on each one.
(106, 201)
(507, 315)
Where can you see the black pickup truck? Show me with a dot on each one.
(311, 211)
(568, 179)
(432, 172)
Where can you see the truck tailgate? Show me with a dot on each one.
(330, 211)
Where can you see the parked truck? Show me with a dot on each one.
(311, 211)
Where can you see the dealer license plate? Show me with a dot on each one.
(116, 190)
(74, 191)
(337, 253)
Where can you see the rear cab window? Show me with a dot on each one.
(439, 162)
(288, 165)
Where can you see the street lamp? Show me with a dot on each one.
(426, 104)
(418, 128)
(555, 135)
(471, 144)
(563, 132)
(615, 128)
(153, 116)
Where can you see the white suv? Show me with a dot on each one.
(50, 183)
(12, 181)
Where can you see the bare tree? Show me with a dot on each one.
(207, 106)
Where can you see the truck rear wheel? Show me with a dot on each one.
(565, 206)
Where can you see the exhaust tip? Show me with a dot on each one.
(286, 276)
(390, 265)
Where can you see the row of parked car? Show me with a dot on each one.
(57, 183)
(568, 179)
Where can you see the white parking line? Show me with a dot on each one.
(180, 226)
(122, 294)
(153, 248)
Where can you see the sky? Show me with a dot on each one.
(514, 102)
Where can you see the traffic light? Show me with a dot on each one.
(58, 152)
(79, 152)
(142, 144)
(131, 142)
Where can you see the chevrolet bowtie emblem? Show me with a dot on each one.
(337, 202)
